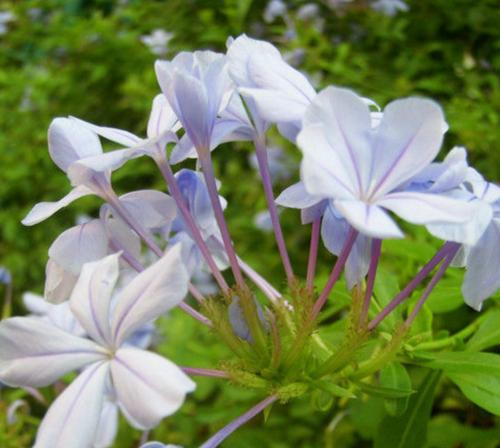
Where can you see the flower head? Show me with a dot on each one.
(147, 387)
(197, 87)
(363, 170)
(274, 91)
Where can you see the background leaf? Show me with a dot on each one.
(410, 429)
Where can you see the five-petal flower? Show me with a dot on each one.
(364, 169)
(147, 386)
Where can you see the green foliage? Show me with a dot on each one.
(409, 430)
(476, 374)
(86, 58)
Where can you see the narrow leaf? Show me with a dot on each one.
(410, 429)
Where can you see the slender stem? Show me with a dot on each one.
(313, 253)
(208, 173)
(261, 153)
(372, 272)
(173, 187)
(336, 271)
(196, 293)
(118, 207)
(7, 303)
(428, 289)
(137, 265)
(405, 293)
(144, 437)
(196, 371)
(196, 314)
(220, 436)
(269, 290)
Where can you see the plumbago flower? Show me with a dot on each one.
(482, 278)
(274, 91)
(360, 165)
(95, 239)
(363, 170)
(197, 87)
(147, 387)
(194, 192)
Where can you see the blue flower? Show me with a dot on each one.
(198, 87)
(363, 169)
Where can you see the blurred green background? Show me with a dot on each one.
(94, 59)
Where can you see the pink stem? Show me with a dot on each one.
(208, 173)
(269, 290)
(171, 181)
(372, 272)
(313, 253)
(261, 153)
(137, 265)
(336, 271)
(405, 293)
(220, 436)
(428, 289)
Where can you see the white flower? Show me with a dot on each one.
(157, 41)
(147, 387)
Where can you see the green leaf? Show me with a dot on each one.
(476, 374)
(488, 334)
(446, 432)
(447, 295)
(482, 389)
(395, 376)
(410, 429)
(321, 401)
(334, 389)
(464, 362)
(385, 289)
(384, 392)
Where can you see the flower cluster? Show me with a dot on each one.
(363, 171)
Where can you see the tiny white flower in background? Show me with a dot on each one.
(308, 11)
(390, 7)
(147, 386)
(5, 18)
(157, 41)
(281, 165)
(262, 221)
(274, 9)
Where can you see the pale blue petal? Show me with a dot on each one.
(334, 232)
(467, 233)
(148, 387)
(69, 141)
(152, 208)
(190, 101)
(119, 136)
(426, 208)
(406, 141)
(346, 121)
(154, 291)
(482, 278)
(44, 210)
(79, 245)
(91, 297)
(296, 196)
(369, 220)
(36, 353)
(108, 425)
(72, 420)
(322, 171)
(162, 118)
(309, 214)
